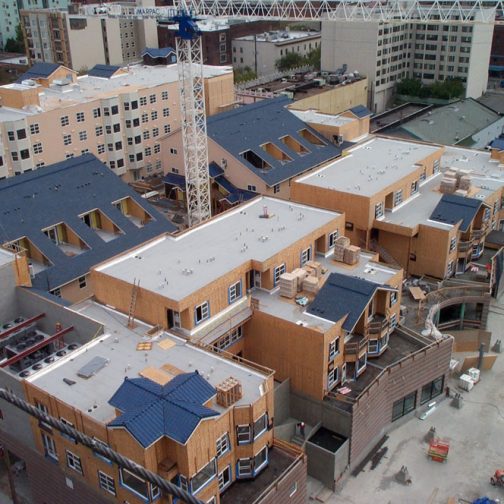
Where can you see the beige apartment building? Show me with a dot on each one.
(80, 41)
(429, 52)
(121, 115)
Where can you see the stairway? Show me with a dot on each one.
(385, 255)
(132, 306)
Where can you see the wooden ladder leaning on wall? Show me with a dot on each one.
(132, 306)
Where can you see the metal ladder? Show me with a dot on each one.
(132, 306)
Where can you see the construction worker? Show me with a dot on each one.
(301, 426)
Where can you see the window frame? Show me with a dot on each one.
(222, 486)
(240, 436)
(145, 496)
(264, 419)
(73, 461)
(432, 392)
(305, 256)
(205, 312)
(223, 445)
(235, 292)
(402, 403)
(332, 237)
(106, 484)
(277, 273)
(334, 353)
(49, 446)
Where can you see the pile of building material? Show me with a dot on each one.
(229, 392)
(448, 183)
(339, 248)
(300, 274)
(313, 268)
(352, 254)
(310, 284)
(288, 285)
(456, 181)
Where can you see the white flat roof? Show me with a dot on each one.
(119, 346)
(175, 267)
(90, 88)
(6, 257)
(370, 167)
(280, 36)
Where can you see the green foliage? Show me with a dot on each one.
(313, 58)
(445, 90)
(16, 45)
(244, 74)
(290, 60)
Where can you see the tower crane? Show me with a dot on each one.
(190, 59)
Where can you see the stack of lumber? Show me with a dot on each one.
(313, 268)
(288, 285)
(310, 284)
(339, 248)
(300, 274)
(448, 185)
(352, 254)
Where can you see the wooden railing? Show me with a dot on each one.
(378, 325)
(464, 246)
(355, 347)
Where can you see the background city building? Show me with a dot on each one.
(429, 52)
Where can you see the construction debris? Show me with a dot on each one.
(430, 435)
(403, 476)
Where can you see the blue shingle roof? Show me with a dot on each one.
(343, 295)
(215, 170)
(39, 70)
(161, 52)
(251, 126)
(234, 194)
(175, 180)
(452, 209)
(104, 71)
(498, 143)
(150, 411)
(60, 193)
(361, 111)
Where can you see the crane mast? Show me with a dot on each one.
(193, 118)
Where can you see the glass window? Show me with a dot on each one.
(453, 243)
(74, 462)
(235, 292)
(278, 272)
(398, 197)
(244, 468)
(152, 98)
(332, 378)
(223, 445)
(134, 483)
(203, 476)
(164, 95)
(276, 188)
(414, 187)
(106, 482)
(202, 312)
(82, 136)
(403, 406)
(229, 339)
(379, 210)
(64, 121)
(143, 101)
(432, 389)
(260, 425)
(37, 148)
(332, 238)
(373, 346)
(225, 478)
(243, 434)
(49, 446)
(393, 298)
(305, 256)
(34, 129)
(333, 349)
(80, 117)
(96, 113)
(260, 460)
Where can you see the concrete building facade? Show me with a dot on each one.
(261, 52)
(429, 52)
(10, 18)
(80, 41)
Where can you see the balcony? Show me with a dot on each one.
(355, 347)
(378, 325)
(464, 247)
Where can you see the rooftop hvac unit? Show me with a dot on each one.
(229, 392)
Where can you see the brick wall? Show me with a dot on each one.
(372, 415)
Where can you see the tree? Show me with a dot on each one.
(16, 45)
(244, 74)
(409, 87)
(313, 58)
(290, 60)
